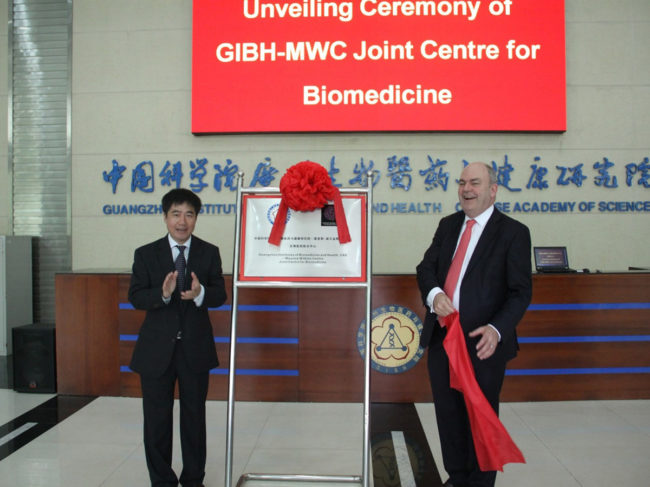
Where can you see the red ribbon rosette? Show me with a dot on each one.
(307, 186)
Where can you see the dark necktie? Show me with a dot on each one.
(181, 265)
(457, 261)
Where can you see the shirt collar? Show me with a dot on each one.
(483, 218)
(173, 243)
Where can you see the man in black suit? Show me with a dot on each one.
(491, 296)
(176, 279)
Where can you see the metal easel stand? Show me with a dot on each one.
(364, 478)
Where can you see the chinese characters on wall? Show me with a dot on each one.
(397, 173)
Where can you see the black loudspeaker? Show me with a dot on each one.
(34, 358)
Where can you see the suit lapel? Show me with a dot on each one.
(449, 244)
(165, 259)
(195, 255)
(490, 230)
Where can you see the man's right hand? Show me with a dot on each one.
(442, 305)
(169, 284)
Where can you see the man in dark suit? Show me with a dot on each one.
(176, 279)
(491, 295)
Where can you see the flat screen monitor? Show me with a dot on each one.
(551, 259)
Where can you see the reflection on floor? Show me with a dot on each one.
(68, 441)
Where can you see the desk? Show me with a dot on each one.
(586, 336)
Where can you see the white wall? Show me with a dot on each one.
(131, 102)
(5, 174)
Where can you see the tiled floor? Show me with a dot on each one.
(566, 444)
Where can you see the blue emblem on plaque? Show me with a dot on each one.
(273, 212)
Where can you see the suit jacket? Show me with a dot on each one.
(496, 287)
(157, 339)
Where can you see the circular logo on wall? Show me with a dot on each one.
(394, 338)
(273, 212)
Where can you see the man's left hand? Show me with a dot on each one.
(487, 344)
(194, 291)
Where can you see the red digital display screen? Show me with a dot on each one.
(378, 65)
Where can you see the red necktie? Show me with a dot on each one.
(457, 261)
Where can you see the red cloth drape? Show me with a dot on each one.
(494, 446)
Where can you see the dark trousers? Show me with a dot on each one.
(458, 453)
(158, 408)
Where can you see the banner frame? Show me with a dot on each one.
(366, 283)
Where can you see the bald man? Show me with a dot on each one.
(491, 295)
